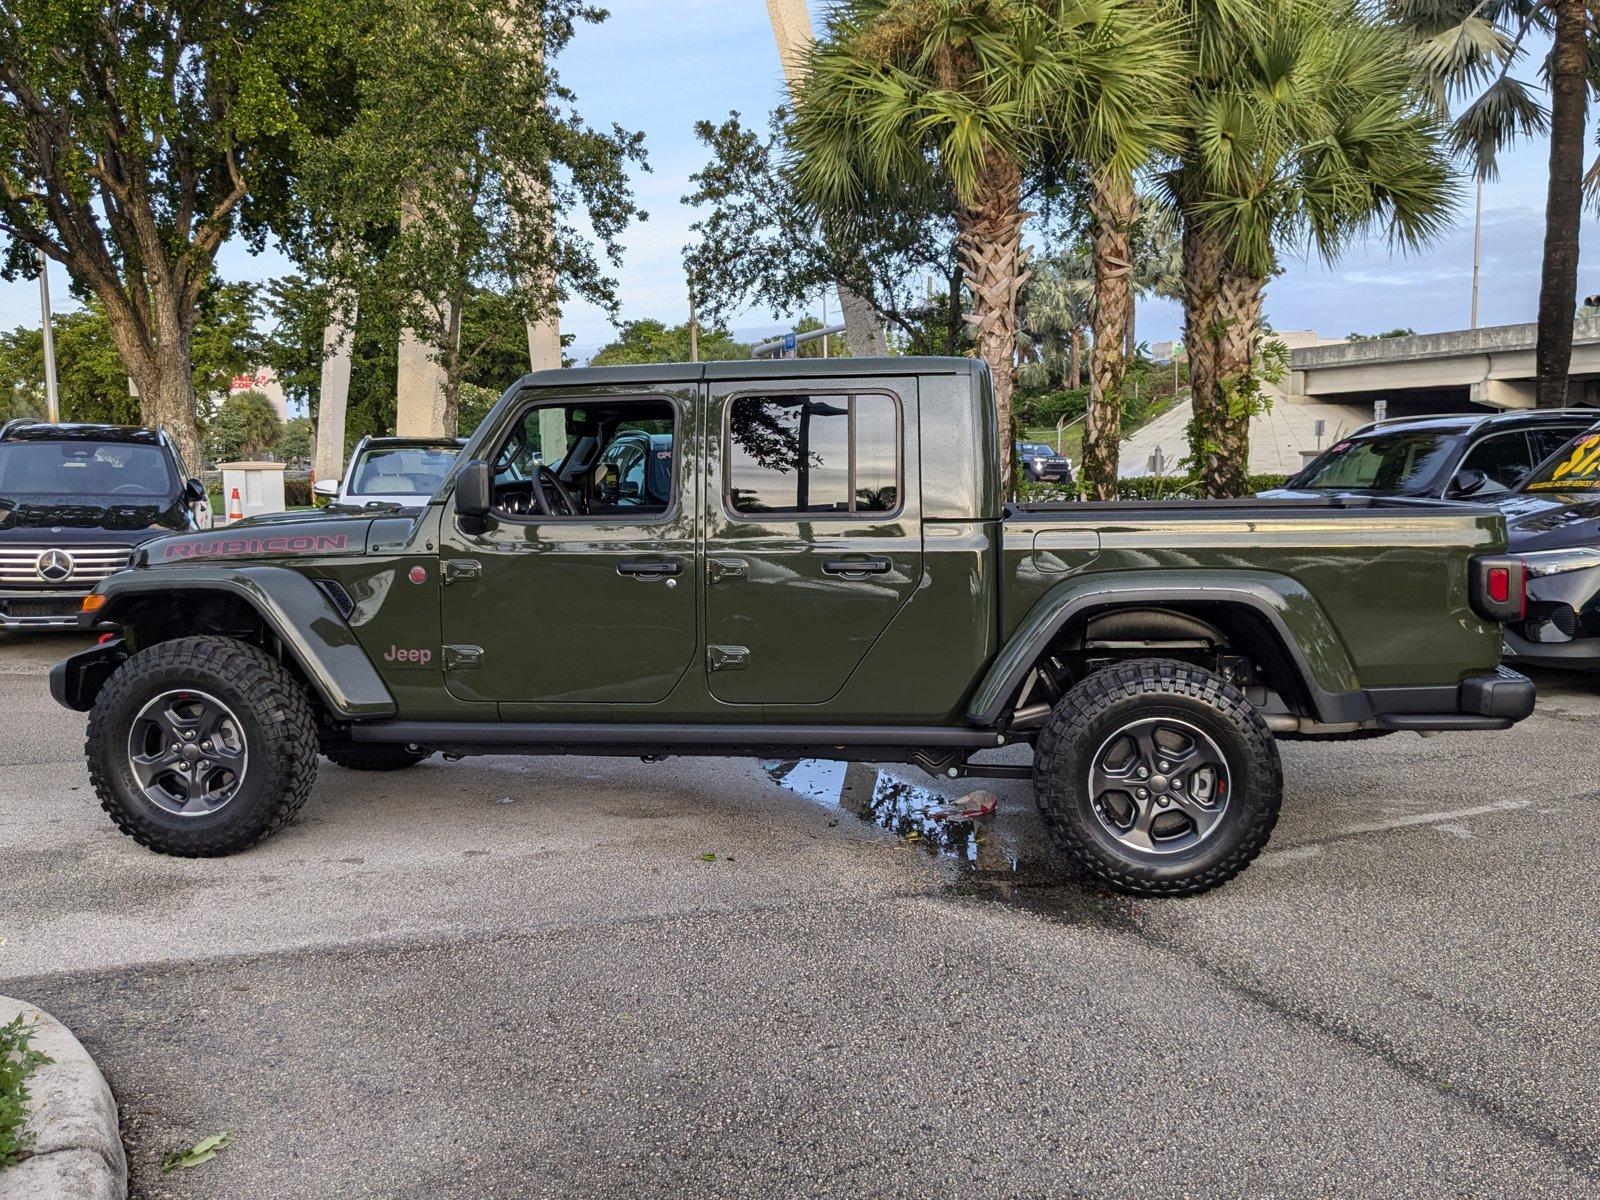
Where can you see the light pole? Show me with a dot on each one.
(1477, 251)
(52, 398)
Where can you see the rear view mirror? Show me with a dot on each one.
(474, 495)
(326, 487)
(194, 491)
(1468, 483)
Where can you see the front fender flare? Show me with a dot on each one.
(297, 612)
(1293, 613)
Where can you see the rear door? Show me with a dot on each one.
(813, 535)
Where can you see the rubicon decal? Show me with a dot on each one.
(304, 543)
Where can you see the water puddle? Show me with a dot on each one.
(959, 823)
(999, 846)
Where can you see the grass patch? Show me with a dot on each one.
(18, 1060)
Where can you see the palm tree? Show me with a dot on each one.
(1465, 51)
(1057, 306)
(1304, 126)
(974, 99)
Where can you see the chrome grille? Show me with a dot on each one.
(19, 565)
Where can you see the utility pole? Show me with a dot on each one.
(52, 398)
(1477, 252)
(694, 326)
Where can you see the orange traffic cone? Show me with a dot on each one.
(235, 508)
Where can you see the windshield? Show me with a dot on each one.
(1034, 450)
(401, 471)
(1384, 462)
(1574, 468)
(81, 468)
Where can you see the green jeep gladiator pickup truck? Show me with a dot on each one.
(792, 559)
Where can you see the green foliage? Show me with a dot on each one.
(92, 379)
(465, 167)
(752, 248)
(201, 1152)
(1378, 337)
(294, 442)
(18, 1060)
(651, 341)
(245, 428)
(1143, 487)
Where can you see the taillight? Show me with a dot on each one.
(1499, 587)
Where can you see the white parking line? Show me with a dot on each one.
(1300, 851)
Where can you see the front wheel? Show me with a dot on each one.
(201, 746)
(1158, 777)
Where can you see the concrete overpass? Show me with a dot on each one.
(1491, 367)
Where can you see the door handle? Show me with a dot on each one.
(857, 568)
(649, 568)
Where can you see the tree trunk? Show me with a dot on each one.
(1077, 359)
(161, 368)
(1222, 324)
(989, 232)
(863, 331)
(1113, 209)
(1558, 284)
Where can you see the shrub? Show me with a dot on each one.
(18, 1060)
(1143, 487)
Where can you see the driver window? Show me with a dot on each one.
(590, 458)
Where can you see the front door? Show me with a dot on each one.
(582, 587)
(813, 536)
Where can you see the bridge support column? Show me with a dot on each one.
(1505, 393)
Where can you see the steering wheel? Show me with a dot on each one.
(564, 500)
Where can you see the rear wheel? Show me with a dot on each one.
(1158, 777)
(201, 746)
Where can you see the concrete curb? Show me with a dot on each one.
(77, 1149)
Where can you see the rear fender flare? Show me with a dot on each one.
(298, 613)
(1314, 647)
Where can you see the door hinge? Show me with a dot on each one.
(462, 658)
(727, 658)
(719, 569)
(453, 569)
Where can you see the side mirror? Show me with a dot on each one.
(326, 487)
(1468, 483)
(194, 491)
(474, 495)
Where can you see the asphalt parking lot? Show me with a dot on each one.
(521, 977)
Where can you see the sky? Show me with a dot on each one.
(660, 65)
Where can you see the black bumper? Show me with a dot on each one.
(1496, 701)
(76, 681)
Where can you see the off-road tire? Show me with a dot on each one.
(1093, 711)
(278, 724)
(366, 756)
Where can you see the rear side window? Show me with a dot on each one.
(1547, 441)
(814, 454)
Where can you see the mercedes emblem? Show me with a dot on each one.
(54, 566)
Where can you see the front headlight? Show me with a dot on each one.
(1559, 562)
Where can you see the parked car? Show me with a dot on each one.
(1040, 463)
(832, 572)
(74, 502)
(1449, 457)
(1553, 523)
(391, 472)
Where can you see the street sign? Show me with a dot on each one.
(789, 345)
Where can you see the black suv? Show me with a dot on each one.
(74, 502)
(1449, 457)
